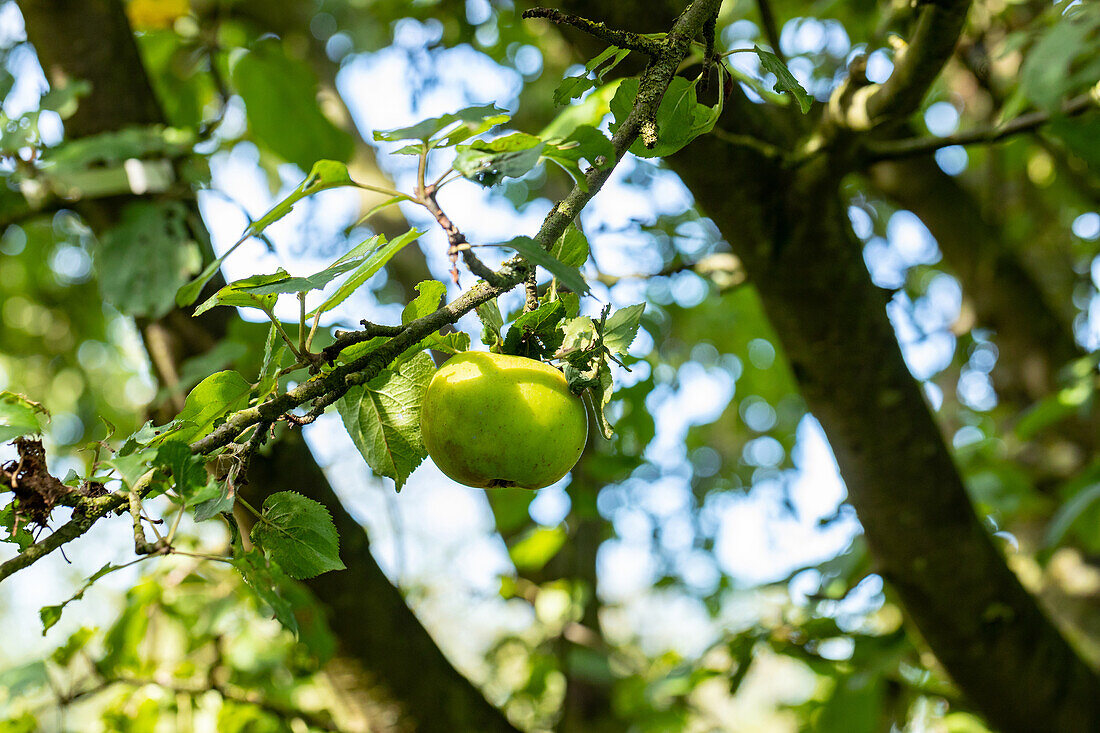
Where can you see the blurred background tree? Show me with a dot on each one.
(704, 569)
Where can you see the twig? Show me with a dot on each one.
(426, 197)
(345, 339)
(142, 546)
(531, 286)
(90, 511)
(893, 149)
(771, 29)
(622, 39)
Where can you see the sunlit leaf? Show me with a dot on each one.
(298, 534)
(383, 418)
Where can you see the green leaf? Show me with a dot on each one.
(378, 207)
(448, 343)
(76, 641)
(144, 260)
(383, 418)
(18, 534)
(535, 334)
(274, 349)
(324, 174)
(130, 468)
(298, 534)
(571, 249)
(680, 118)
(237, 294)
(533, 252)
(20, 416)
(622, 327)
(590, 112)
(1068, 514)
(458, 125)
(1064, 60)
(50, 615)
(492, 323)
(267, 581)
(280, 95)
(573, 87)
(292, 284)
(784, 79)
(579, 336)
(489, 162)
(213, 398)
(584, 143)
(536, 547)
(601, 396)
(187, 471)
(367, 267)
(429, 295)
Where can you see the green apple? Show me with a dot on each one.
(492, 420)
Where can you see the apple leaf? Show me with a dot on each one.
(601, 396)
(236, 294)
(187, 472)
(535, 334)
(367, 267)
(212, 398)
(274, 349)
(573, 87)
(572, 247)
(492, 322)
(383, 418)
(622, 327)
(533, 252)
(323, 175)
(680, 118)
(471, 121)
(19, 416)
(294, 284)
(488, 162)
(784, 79)
(143, 261)
(265, 579)
(585, 142)
(280, 96)
(50, 615)
(429, 293)
(298, 534)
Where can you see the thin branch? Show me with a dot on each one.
(622, 39)
(456, 239)
(771, 29)
(907, 148)
(345, 339)
(933, 40)
(90, 511)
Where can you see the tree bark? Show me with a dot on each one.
(91, 40)
(791, 230)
